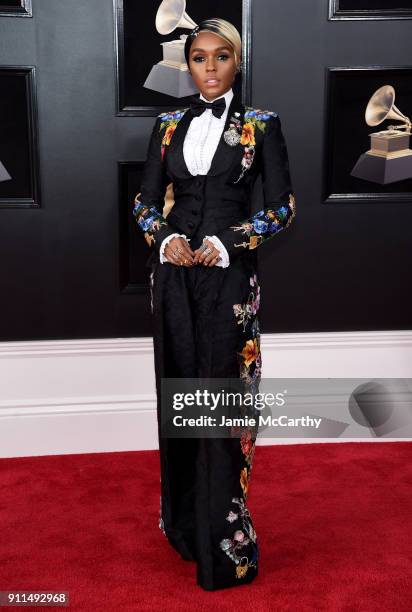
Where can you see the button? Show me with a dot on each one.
(198, 196)
(194, 212)
(190, 225)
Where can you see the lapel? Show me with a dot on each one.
(225, 156)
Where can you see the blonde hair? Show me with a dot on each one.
(222, 28)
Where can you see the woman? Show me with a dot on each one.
(205, 291)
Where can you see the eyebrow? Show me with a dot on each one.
(217, 49)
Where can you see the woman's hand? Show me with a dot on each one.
(177, 251)
(211, 258)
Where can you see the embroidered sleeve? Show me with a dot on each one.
(148, 204)
(280, 208)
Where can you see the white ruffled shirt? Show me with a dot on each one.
(199, 147)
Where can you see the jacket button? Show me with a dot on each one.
(198, 196)
(194, 212)
(190, 225)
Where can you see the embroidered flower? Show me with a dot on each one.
(242, 548)
(244, 482)
(167, 137)
(247, 445)
(248, 134)
(169, 123)
(250, 352)
(253, 117)
(259, 117)
(148, 219)
(244, 312)
(232, 516)
(265, 223)
(239, 536)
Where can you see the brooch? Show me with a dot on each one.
(232, 135)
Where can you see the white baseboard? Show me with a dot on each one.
(86, 396)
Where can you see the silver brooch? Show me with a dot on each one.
(232, 135)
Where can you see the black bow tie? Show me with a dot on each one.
(197, 106)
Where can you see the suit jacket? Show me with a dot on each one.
(218, 202)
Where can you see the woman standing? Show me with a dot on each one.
(205, 291)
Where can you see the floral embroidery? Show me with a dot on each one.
(259, 117)
(235, 547)
(250, 356)
(169, 121)
(148, 219)
(254, 117)
(265, 223)
(245, 311)
(242, 547)
(247, 445)
(244, 481)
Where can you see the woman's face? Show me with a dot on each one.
(212, 64)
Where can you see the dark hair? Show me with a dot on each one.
(218, 26)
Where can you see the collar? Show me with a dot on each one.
(227, 96)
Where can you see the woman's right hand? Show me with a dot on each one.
(178, 252)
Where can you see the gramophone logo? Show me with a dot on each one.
(171, 75)
(389, 159)
(4, 175)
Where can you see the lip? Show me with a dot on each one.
(212, 84)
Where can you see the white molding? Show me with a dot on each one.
(98, 395)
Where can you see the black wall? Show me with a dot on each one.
(338, 267)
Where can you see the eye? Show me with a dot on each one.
(198, 57)
(225, 57)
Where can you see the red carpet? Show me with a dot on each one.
(333, 523)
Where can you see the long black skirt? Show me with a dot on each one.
(206, 325)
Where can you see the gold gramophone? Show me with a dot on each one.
(389, 159)
(171, 75)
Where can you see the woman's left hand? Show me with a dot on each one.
(211, 258)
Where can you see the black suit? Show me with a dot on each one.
(206, 325)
